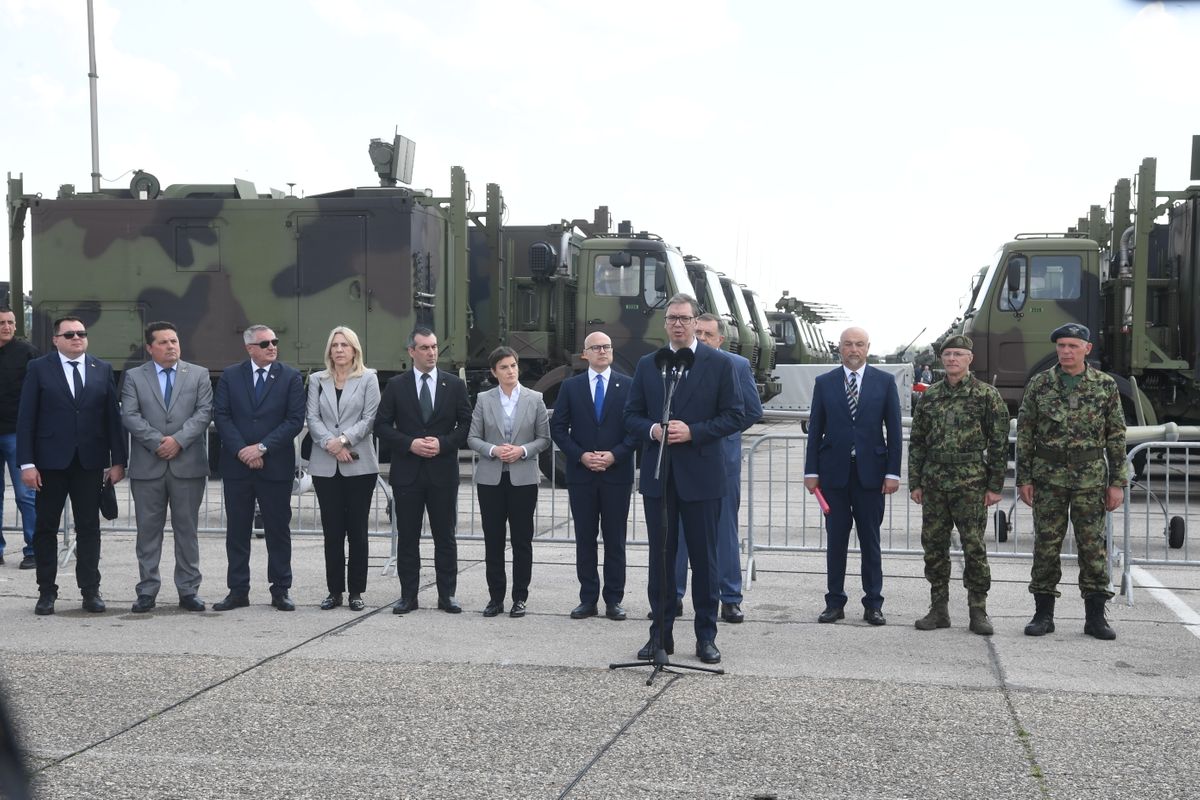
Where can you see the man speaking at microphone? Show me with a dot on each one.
(706, 407)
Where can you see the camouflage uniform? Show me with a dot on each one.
(1071, 448)
(957, 452)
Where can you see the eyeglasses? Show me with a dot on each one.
(600, 348)
(265, 343)
(72, 334)
(674, 320)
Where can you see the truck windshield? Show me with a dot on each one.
(734, 295)
(760, 321)
(678, 272)
(715, 300)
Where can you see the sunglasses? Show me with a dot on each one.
(268, 343)
(72, 334)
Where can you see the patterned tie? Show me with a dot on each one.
(599, 396)
(260, 385)
(169, 387)
(426, 399)
(76, 379)
(852, 394)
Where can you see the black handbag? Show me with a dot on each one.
(108, 500)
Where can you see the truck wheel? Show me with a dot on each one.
(1176, 532)
(1001, 526)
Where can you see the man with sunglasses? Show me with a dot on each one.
(69, 441)
(259, 411)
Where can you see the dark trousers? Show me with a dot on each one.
(345, 510)
(600, 508)
(501, 505)
(863, 507)
(411, 503)
(83, 487)
(699, 520)
(275, 501)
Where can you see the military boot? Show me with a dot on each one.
(938, 617)
(980, 623)
(1043, 616)
(1096, 625)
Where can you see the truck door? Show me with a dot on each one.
(331, 273)
(622, 300)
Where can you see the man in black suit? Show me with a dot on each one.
(707, 407)
(589, 427)
(68, 434)
(424, 418)
(259, 411)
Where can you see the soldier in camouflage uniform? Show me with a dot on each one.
(1071, 464)
(956, 459)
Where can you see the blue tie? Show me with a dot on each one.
(260, 386)
(599, 396)
(170, 385)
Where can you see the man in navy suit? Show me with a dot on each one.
(259, 411)
(710, 329)
(589, 427)
(706, 408)
(855, 465)
(424, 419)
(68, 434)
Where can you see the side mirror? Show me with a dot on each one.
(1014, 272)
(620, 259)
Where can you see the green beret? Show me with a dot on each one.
(957, 341)
(1072, 330)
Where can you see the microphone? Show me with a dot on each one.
(663, 359)
(684, 359)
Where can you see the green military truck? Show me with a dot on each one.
(1132, 278)
(795, 325)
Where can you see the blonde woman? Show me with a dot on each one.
(343, 399)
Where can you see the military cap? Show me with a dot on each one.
(957, 341)
(1072, 330)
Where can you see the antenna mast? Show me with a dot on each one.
(92, 78)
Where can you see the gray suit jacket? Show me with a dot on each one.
(353, 417)
(531, 429)
(149, 421)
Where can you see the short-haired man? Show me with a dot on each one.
(259, 409)
(166, 405)
(589, 427)
(15, 355)
(1071, 466)
(69, 441)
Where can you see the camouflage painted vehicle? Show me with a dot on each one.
(795, 325)
(760, 326)
(1133, 281)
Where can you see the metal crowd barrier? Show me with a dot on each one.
(1164, 514)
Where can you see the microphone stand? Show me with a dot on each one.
(661, 662)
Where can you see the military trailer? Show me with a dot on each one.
(1133, 278)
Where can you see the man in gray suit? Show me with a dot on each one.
(166, 405)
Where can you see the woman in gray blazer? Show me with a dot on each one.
(343, 399)
(509, 428)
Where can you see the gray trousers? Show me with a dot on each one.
(151, 498)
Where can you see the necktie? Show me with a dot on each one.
(426, 399)
(852, 394)
(260, 385)
(170, 386)
(76, 379)
(599, 396)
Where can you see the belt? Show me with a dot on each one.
(1078, 456)
(948, 457)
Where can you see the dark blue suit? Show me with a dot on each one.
(275, 421)
(709, 401)
(599, 500)
(853, 487)
(71, 441)
(729, 562)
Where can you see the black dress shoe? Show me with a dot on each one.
(874, 616)
(708, 653)
(831, 614)
(583, 611)
(45, 604)
(282, 602)
(143, 604)
(518, 609)
(94, 603)
(28, 562)
(332, 601)
(190, 602)
(647, 651)
(405, 605)
(678, 609)
(449, 605)
(615, 612)
(231, 601)
(494, 608)
(732, 612)
(356, 602)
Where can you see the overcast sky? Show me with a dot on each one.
(867, 154)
